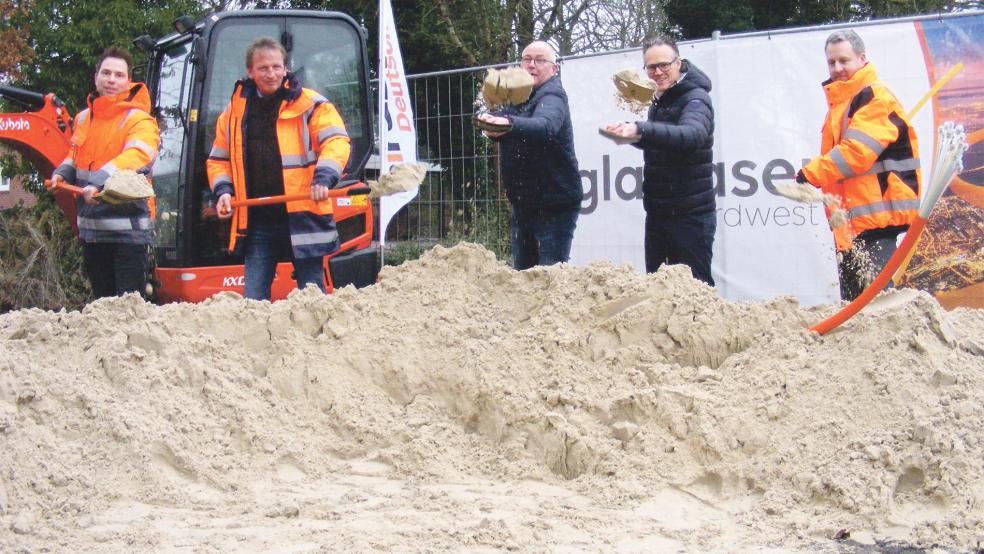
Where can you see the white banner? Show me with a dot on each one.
(769, 108)
(397, 133)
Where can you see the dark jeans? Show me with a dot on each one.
(115, 268)
(681, 239)
(858, 267)
(541, 237)
(267, 243)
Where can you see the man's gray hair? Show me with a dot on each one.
(846, 35)
(660, 40)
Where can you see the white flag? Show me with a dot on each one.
(397, 132)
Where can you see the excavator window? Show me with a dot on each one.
(173, 94)
(326, 55)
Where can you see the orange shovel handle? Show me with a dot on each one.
(266, 200)
(77, 191)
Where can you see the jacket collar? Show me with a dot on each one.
(551, 85)
(842, 91)
(295, 101)
(136, 97)
(690, 79)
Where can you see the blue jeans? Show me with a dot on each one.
(541, 237)
(267, 243)
(115, 268)
(681, 239)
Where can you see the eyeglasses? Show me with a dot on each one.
(662, 66)
(538, 61)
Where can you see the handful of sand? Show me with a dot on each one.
(634, 90)
(402, 177)
(809, 194)
(800, 192)
(512, 85)
(126, 186)
(633, 86)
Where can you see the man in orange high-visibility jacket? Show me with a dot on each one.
(278, 138)
(115, 133)
(870, 162)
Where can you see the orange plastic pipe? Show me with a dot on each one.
(876, 286)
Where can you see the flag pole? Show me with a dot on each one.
(381, 103)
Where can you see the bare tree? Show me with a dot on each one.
(617, 24)
(582, 26)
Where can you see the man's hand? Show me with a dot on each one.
(224, 206)
(56, 181)
(493, 120)
(88, 194)
(800, 178)
(319, 193)
(621, 133)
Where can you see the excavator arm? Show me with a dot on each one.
(41, 135)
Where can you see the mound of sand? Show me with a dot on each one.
(461, 405)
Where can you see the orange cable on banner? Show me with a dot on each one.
(951, 144)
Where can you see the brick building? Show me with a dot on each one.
(12, 192)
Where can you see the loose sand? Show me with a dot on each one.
(401, 178)
(126, 185)
(459, 405)
(509, 85)
(809, 194)
(633, 91)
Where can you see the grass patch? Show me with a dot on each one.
(40, 260)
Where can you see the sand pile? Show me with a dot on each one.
(461, 405)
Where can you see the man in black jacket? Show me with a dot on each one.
(676, 140)
(538, 165)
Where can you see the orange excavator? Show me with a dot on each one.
(190, 75)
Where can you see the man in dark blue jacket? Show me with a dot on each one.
(538, 165)
(676, 140)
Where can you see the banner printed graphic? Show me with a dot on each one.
(397, 132)
(949, 260)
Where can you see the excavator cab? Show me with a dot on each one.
(191, 75)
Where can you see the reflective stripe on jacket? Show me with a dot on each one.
(113, 134)
(870, 157)
(314, 148)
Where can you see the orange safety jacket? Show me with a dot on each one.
(114, 133)
(314, 148)
(870, 157)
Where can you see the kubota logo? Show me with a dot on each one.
(11, 124)
(234, 281)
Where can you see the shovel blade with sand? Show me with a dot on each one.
(123, 186)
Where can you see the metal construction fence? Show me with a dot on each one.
(462, 198)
